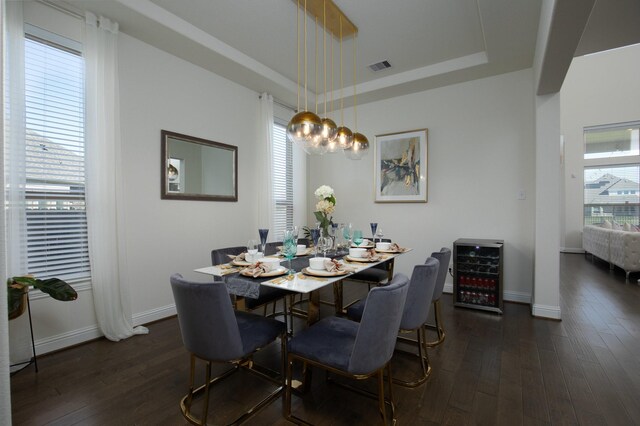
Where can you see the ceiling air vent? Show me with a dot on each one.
(379, 66)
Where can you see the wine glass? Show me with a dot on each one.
(374, 227)
(332, 234)
(263, 237)
(315, 236)
(252, 249)
(357, 237)
(324, 244)
(380, 233)
(346, 233)
(289, 247)
(296, 232)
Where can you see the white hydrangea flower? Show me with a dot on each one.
(323, 192)
(325, 207)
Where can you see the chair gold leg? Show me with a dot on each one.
(438, 325)
(192, 373)
(391, 399)
(207, 387)
(381, 404)
(423, 356)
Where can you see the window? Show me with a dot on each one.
(55, 203)
(282, 180)
(610, 141)
(611, 193)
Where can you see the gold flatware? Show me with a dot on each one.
(310, 277)
(230, 271)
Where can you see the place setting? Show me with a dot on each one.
(326, 267)
(264, 267)
(386, 247)
(363, 255)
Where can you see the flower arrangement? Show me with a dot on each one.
(325, 207)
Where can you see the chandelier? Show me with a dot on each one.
(307, 129)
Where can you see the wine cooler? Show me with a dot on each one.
(477, 274)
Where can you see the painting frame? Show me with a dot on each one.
(401, 173)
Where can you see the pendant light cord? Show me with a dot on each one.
(341, 80)
(355, 103)
(298, 52)
(305, 55)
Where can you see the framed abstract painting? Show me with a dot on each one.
(401, 167)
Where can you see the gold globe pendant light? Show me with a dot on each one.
(317, 144)
(305, 125)
(344, 135)
(360, 143)
(329, 127)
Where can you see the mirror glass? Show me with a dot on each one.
(198, 169)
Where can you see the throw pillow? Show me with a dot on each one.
(627, 227)
(606, 224)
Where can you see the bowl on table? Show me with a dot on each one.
(271, 263)
(317, 263)
(357, 252)
(301, 249)
(383, 246)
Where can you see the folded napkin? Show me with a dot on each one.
(332, 265)
(396, 247)
(371, 254)
(256, 269)
(238, 258)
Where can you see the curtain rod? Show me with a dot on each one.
(281, 103)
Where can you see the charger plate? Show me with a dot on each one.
(323, 273)
(361, 259)
(279, 271)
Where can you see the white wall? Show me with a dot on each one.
(481, 153)
(159, 91)
(599, 89)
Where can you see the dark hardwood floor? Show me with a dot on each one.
(506, 370)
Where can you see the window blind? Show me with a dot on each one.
(55, 163)
(282, 181)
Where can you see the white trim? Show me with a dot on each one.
(81, 335)
(572, 250)
(64, 340)
(546, 311)
(508, 296)
(154, 315)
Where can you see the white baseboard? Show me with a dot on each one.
(509, 296)
(571, 250)
(81, 335)
(154, 315)
(64, 340)
(546, 311)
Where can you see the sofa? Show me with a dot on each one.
(617, 247)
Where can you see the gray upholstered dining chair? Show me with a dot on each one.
(358, 351)
(267, 294)
(220, 256)
(444, 257)
(212, 331)
(415, 313)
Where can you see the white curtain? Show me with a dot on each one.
(266, 203)
(104, 192)
(15, 176)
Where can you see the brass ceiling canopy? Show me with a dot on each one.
(315, 8)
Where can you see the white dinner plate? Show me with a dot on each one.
(278, 271)
(323, 272)
(368, 246)
(390, 251)
(361, 259)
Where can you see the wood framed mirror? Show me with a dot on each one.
(197, 169)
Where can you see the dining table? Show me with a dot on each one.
(304, 281)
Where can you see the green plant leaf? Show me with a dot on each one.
(57, 289)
